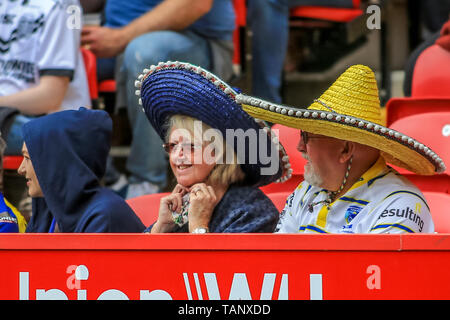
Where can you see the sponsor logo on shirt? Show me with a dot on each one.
(406, 213)
(351, 213)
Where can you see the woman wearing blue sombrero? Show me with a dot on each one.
(217, 152)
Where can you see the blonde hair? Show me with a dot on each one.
(223, 173)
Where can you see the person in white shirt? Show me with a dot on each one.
(41, 65)
(348, 187)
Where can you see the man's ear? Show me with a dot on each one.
(347, 151)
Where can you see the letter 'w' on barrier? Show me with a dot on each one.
(315, 286)
(188, 287)
(240, 289)
(24, 286)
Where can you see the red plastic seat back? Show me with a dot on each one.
(90, 64)
(439, 204)
(147, 207)
(431, 129)
(289, 138)
(436, 183)
(328, 13)
(431, 76)
(397, 108)
(279, 198)
(240, 11)
(12, 162)
(108, 85)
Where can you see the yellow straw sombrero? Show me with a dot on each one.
(350, 110)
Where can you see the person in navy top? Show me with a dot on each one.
(64, 159)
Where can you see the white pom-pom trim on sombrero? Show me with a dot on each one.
(345, 120)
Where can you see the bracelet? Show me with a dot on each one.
(200, 230)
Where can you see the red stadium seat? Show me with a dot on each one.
(433, 130)
(328, 13)
(431, 75)
(12, 162)
(289, 138)
(240, 10)
(90, 64)
(279, 198)
(436, 183)
(397, 108)
(107, 86)
(147, 207)
(440, 210)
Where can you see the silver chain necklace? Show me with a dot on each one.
(331, 195)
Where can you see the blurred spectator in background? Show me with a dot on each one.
(269, 22)
(138, 33)
(41, 66)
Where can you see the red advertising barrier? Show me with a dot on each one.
(224, 266)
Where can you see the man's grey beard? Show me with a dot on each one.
(312, 177)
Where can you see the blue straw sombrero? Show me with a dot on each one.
(181, 88)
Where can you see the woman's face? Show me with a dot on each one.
(191, 161)
(26, 169)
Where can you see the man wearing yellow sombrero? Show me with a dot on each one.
(348, 187)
